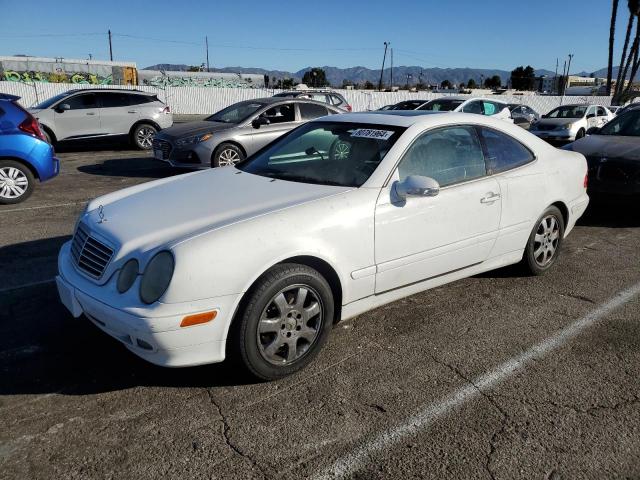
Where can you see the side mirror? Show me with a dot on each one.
(593, 131)
(417, 186)
(258, 122)
(545, 116)
(591, 115)
(63, 107)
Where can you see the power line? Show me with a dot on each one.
(40, 35)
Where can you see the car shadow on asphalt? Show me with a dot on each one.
(43, 349)
(94, 145)
(135, 167)
(612, 213)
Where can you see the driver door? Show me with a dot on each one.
(282, 118)
(82, 120)
(419, 238)
(592, 119)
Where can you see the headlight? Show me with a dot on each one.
(127, 275)
(192, 140)
(565, 126)
(156, 277)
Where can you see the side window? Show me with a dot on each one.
(79, 102)
(140, 99)
(602, 112)
(112, 100)
(474, 107)
(503, 152)
(517, 111)
(320, 97)
(591, 111)
(336, 100)
(309, 111)
(449, 155)
(490, 108)
(280, 114)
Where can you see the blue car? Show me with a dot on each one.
(25, 154)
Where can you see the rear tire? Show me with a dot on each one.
(142, 136)
(543, 246)
(16, 182)
(47, 136)
(227, 154)
(283, 323)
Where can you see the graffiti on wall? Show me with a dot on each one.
(59, 76)
(162, 79)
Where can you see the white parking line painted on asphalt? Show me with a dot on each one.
(428, 414)
(25, 285)
(40, 207)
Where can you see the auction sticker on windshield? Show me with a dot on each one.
(372, 133)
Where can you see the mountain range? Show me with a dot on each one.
(356, 75)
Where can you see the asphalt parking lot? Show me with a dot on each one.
(495, 376)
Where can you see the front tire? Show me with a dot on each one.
(543, 246)
(142, 136)
(16, 182)
(227, 154)
(581, 133)
(284, 323)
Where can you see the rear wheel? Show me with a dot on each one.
(543, 247)
(285, 322)
(142, 136)
(47, 136)
(16, 182)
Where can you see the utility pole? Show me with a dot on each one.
(568, 71)
(386, 44)
(110, 47)
(392, 69)
(206, 41)
(555, 77)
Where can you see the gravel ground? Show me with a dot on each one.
(495, 376)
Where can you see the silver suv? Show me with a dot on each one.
(97, 113)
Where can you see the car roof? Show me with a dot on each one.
(408, 118)
(119, 90)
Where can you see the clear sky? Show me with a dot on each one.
(292, 35)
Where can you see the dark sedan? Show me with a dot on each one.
(613, 156)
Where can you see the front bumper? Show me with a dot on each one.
(152, 333)
(193, 156)
(554, 135)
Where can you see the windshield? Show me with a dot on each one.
(408, 105)
(441, 105)
(325, 153)
(236, 113)
(626, 125)
(568, 111)
(50, 101)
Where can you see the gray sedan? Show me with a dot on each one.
(236, 132)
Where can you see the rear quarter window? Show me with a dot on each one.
(503, 152)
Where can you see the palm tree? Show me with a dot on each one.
(634, 9)
(612, 34)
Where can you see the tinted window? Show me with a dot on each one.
(474, 107)
(602, 112)
(111, 100)
(441, 105)
(236, 112)
(568, 111)
(503, 152)
(626, 125)
(449, 155)
(87, 100)
(50, 101)
(280, 114)
(336, 100)
(140, 99)
(309, 111)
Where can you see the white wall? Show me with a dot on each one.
(200, 100)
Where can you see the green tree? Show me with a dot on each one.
(493, 82)
(472, 83)
(368, 85)
(316, 77)
(523, 78)
(446, 84)
(612, 34)
(347, 83)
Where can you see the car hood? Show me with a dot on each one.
(170, 210)
(613, 146)
(557, 121)
(193, 128)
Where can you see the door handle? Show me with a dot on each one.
(90, 113)
(490, 198)
(132, 111)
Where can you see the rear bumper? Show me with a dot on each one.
(576, 209)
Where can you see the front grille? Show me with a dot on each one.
(162, 146)
(545, 127)
(90, 255)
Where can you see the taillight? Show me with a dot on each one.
(31, 126)
(166, 109)
(586, 180)
(348, 107)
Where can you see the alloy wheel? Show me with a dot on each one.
(145, 137)
(342, 151)
(546, 240)
(228, 157)
(290, 324)
(13, 183)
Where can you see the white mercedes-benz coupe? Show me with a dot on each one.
(343, 214)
